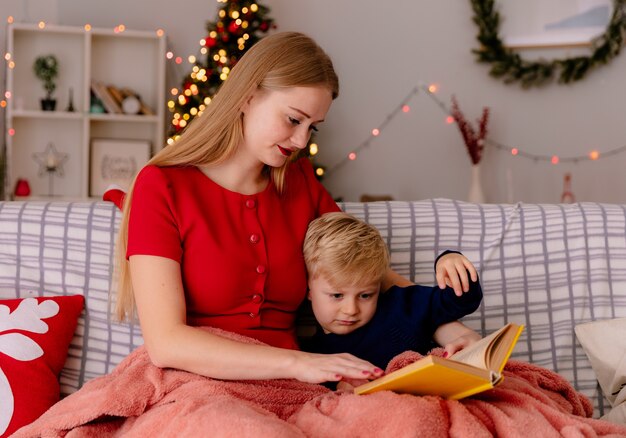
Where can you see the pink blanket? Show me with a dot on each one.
(139, 399)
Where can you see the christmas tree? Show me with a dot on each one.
(239, 25)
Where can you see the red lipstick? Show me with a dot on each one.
(285, 152)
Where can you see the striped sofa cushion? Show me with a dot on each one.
(63, 249)
(549, 267)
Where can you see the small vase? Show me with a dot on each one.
(22, 188)
(476, 194)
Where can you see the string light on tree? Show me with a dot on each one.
(238, 26)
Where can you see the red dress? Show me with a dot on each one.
(240, 255)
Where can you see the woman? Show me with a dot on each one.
(213, 227)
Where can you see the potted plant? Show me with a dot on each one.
(46, 68)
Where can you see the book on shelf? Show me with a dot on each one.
(143, 108)
(116, 93)
(474, 369)
(129, 101)
(109, 103)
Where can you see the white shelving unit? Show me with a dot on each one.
(126, 59)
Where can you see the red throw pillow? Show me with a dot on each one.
(35, 334)
(115, 194)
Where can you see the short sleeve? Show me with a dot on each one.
(152, 226)
(322, 199)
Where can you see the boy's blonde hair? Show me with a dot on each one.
(345, 250)
(279, 61)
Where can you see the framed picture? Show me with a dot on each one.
(553, 24)
(115, 161)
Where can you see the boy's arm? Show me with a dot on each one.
(457, 272)
(454, 336)
(392, 278)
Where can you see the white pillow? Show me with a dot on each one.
(604, 342)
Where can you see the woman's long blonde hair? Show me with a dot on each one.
(282, 60)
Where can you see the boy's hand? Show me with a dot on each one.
(452, 269)
(348, 385)
(461, 342)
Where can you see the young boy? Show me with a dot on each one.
(346, 260)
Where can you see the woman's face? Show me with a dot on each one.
(278, 123)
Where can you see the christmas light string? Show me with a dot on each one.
(403, 106)
(431, 91)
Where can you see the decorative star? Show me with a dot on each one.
(50, 160)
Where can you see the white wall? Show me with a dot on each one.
(381, 50)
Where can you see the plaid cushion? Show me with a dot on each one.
(549, 267)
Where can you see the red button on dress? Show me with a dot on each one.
(260, 269)
(254, 238)
(250, 203)
(256, 298)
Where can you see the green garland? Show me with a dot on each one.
(510, 66)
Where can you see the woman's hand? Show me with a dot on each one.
(452, 270)
(318, 368)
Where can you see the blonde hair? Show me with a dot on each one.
(282, 60)
(345, 250)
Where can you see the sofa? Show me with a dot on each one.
(549, 267)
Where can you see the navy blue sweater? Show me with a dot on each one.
(406, 319)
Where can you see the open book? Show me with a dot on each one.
(472, 370)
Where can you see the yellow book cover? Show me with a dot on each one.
(472, 370)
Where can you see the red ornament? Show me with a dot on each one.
(225, 38)
(264, 26)
(233, 27)
(210, 42)
(22, 187)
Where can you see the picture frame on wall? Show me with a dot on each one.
(556, 24)
(115, 161)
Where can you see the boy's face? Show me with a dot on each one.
(342, 310)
